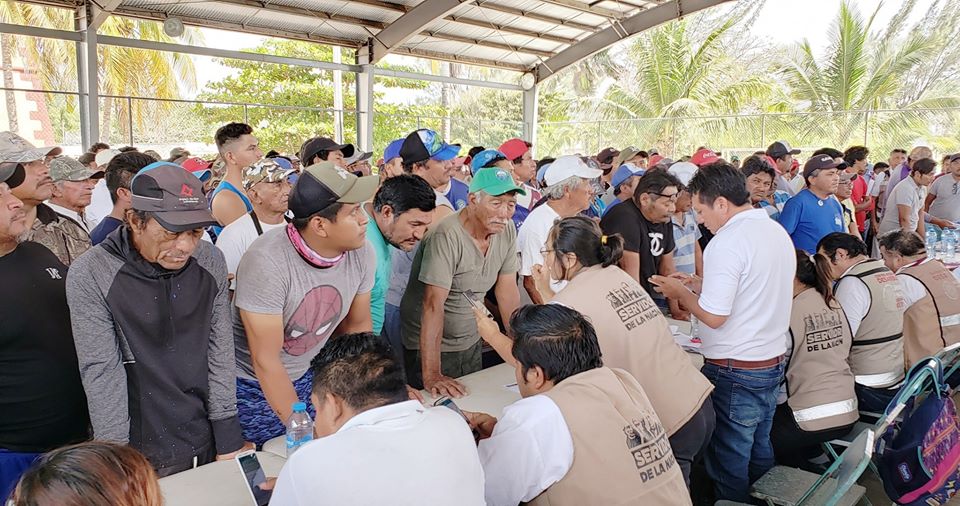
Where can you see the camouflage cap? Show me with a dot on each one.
(14, 148)
(264, 170)
(65, 168)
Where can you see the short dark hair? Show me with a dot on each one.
(231, 132)
(655, 182)
(273, 153)
(519, 159)
(543, 161)
(643, 154)
(405, 192)
(924, 166)
(582, 237)
(757, 165)
(832, 153)
(906, 242)
(898, 150)
(409, 166)
(122, 168)
(360, 369)
(127, 149)
(719, 179)
(98, 146)
(854, 154)
(879, 166)
(833, 241)
(474, 150)
(555, 337)
(330, 213)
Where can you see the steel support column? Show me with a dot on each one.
(365, 80)
(87, 80)
(530, 111)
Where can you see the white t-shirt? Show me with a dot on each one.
(100, 204)
(398, 454)
(912, 289)
(906, 193)
(854, 297)
(531, 239)
(748, 271)
(236, 237)
(531, 449)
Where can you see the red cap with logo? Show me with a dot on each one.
(704, 157)
(514, 148)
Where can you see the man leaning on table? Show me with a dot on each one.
(583, 433)
(744, 302)
(373, 446)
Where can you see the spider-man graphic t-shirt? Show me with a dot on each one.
(273, 278)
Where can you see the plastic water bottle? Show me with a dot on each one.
(694, 327)
(949, 244)
(299, 428)
(932, 240)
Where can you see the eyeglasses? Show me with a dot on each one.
(673, 197)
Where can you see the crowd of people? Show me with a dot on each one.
(180, 307)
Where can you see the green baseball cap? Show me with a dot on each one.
(494, 181)
(65, 168)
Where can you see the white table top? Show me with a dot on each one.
(222, 483)
(215, 484)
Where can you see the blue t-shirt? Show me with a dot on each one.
(808, 218)
(103, 229)
(381, 277)
(457, 194)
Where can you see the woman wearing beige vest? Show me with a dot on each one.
(931, 294)
(633, 333)
(820, 401)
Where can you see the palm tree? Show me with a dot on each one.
(867, 70)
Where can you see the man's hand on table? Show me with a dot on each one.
(230, 456)
(439, 385)
(413, 394)
(482, 423)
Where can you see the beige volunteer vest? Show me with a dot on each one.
(933, 321)
(819, 380)
(621, 455)
(634, 336)
(877, 355)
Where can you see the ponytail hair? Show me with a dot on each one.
(582, 237)
(815, 273)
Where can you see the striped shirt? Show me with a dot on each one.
(773, 210)
(685, 235)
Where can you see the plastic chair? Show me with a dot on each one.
(837, 486)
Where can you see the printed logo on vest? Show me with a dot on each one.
(632, 306)
(647, 442)
(822, 330)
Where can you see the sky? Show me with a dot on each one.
(779, 22)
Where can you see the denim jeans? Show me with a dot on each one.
(874, 400)
(740, 451)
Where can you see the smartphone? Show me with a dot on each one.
(448, 403)
(476, 302)
(254, 476)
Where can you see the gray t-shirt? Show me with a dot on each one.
(448, 258)
(273, 279)
(947, 204)
(906, 193)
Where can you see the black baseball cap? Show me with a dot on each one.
(172, 195)
(311, 147)
(11, 173)
(780, 149)
(819, 162)
(423, 144)
(323, 184)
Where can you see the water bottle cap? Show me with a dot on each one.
(299, 406)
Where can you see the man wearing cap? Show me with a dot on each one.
(704, 156)
(814, 212)
(631, 157)
(151, 319)
(623, 183)
(42, 399)
(392, 162)
(119, 172)
(605, 159)
(65, 238)
(523, 170)
(781, 157)
(73, 186)
(238, 149)
(297, 287)
(902, 171)
(359, 163)
(325, 149)
(465, 255)
(268, 190)
(943, 198)
(426, 155)
(569, 192)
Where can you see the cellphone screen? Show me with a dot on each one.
(476, 301)
(255, 477)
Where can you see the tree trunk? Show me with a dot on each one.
(105, 120)
(6, 59)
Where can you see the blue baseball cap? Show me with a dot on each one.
(542, 172)
(425, 144)
(393, 150)
(626, 171)
(485, 158)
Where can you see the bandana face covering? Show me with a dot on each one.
(312, 257)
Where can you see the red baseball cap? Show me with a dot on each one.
(704, 157)
(514, 148)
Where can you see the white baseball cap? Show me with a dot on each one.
(567, 167)
(104, 156)
(684, 171)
